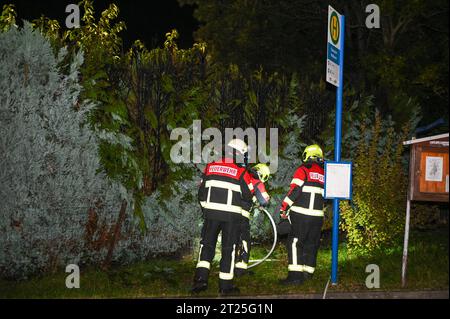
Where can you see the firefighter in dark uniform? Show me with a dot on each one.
(224, 194)
(304, 206)
(259, 174)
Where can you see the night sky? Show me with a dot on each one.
(145, 20)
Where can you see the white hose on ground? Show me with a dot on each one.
(275, 238)
(326, 289)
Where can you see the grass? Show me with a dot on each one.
(427, 269)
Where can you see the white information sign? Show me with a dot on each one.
(338, 180)
(434, 169)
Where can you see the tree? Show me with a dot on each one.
(164, 91)
(406, 58)
(8, 17)
(278, 35)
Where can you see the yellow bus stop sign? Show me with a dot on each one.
(334, 28)
(333, 46)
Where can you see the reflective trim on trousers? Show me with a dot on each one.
(203, 264)
(225, 276)
(229, 276)
(200, 253)
(241, 265)
(245, 244)
(308, 269)
(296, 268)
(294, 251)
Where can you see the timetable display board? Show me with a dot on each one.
(338, 180)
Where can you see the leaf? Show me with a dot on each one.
(167, 84)
(151, 118)
(252, 97)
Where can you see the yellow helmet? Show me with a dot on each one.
(312, 152)
(263, 172)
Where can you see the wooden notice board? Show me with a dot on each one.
(429, 173)
(428, 179)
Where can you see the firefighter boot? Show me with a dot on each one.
(293, 278)
(307, 276)
(199, 286)
(226, 288)
(200, 281)
(232, 291)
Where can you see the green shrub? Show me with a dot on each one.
(374, 218)
(425, 216)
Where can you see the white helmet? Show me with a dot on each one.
(238, 145)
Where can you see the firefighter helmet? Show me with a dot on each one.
(238, 145)
(312, 152)
(263, 172)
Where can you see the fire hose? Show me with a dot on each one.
(275, 238)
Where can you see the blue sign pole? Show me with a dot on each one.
(337, 155)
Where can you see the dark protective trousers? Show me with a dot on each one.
(230, 236)
(243, 251)
(303, 243)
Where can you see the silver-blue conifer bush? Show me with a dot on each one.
(49, 161)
